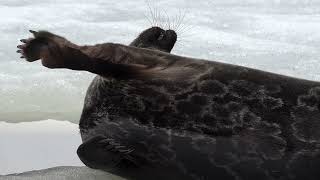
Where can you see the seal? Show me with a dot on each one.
(150, 114)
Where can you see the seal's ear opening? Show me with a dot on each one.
(156, 38)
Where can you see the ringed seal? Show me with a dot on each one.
(154, 115)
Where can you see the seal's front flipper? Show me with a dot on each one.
(104, 153)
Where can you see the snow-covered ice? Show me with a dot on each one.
(280, 36)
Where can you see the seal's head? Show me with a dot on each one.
(156, 38)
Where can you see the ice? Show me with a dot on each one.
(28, 146)
(63, 173)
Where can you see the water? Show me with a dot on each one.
(280, 36)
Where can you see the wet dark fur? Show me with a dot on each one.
(152, 115)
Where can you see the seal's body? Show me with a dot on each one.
(153, 115)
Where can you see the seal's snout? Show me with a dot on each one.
(156, 38)
(171, 34)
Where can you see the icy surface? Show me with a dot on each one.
(63, 173)
(281, 36)
(36, 145)
(32, 147)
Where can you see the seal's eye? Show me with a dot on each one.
(161, 36)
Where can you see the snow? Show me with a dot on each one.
(280, 36)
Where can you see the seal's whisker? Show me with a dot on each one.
(156, 20)
(160, 19)
(186, 29)
(180, 40)
(152, 13)
(156, 12)
(181, 19)
(167, 20)
(177, 20)
(174, 22)
(185, 33)
(181, 43)
(167, 25)
(155, 16)
(182, 28)
(148, 19)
